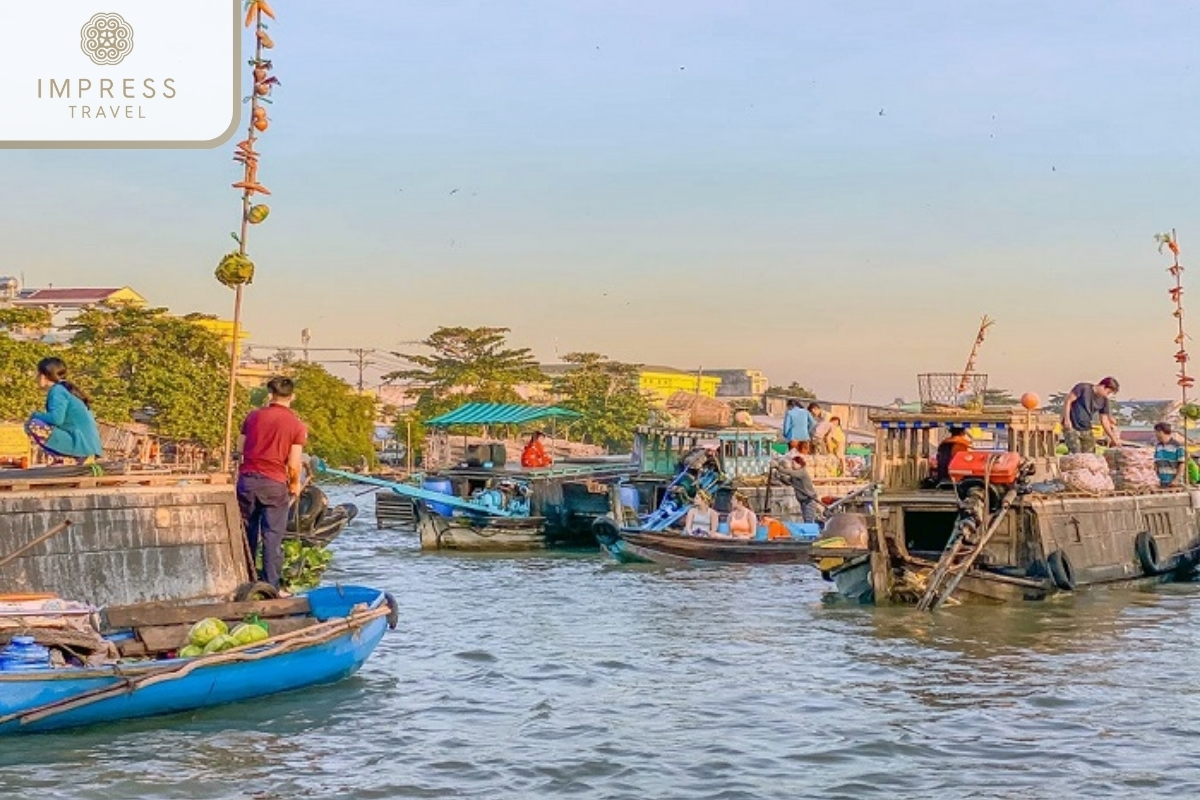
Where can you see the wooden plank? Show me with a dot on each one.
(149, 614)
(159, 638)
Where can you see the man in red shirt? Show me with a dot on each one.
(272, 447)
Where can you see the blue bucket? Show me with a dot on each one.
(441, 486)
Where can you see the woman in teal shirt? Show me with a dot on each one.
(66, 429)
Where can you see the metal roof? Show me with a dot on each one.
(499, 414)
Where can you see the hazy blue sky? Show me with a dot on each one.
(691, 183)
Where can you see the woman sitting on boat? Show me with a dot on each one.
(743, 522)
(66, 430)
(534, 454)
(701, 519)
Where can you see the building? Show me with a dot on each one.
(224, 329)
(65, 303)
(745, 383)
(662, 382)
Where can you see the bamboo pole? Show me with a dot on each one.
(250, 186)
(1181, 355)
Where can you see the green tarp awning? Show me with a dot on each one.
(499, 414)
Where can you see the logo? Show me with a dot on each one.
(106, 39)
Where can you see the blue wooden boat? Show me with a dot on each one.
(344, 625)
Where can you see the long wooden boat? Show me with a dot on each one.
(334, 633)
(678, 549)
(1009, 537)
(477, 532)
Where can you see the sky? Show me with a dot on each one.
(832, 192)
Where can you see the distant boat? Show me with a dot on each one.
(679, 549)
(335, 633)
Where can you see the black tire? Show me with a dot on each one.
(258, 590)
(1146, 549)
(1060, 570)
(606, 530)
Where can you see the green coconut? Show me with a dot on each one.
(206, 630)
(221, 642)
(249, 633)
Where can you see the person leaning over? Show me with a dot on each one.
(1085, 403)
(272, 453)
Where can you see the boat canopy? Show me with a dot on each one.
(499, 414)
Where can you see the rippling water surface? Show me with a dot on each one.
(565, 676)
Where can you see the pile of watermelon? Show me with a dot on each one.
(212, 635)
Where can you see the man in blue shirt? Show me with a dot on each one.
(1169, 456)
(797, 424)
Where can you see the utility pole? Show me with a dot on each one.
(305, 338)
(362, 365)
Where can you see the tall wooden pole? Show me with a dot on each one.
(1184, 381)
(261, 87)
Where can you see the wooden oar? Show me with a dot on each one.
(276, 646)
(57, 529)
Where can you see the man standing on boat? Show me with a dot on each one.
(272, 450)
(1083, 405)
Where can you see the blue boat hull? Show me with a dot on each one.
(207, 685)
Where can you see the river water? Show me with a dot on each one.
(566, 676)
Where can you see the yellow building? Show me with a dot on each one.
(662, 382)
(224, 329)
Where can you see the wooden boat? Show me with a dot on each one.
(329, 634)
(1008, 531)
(678, 549)
(506, 508)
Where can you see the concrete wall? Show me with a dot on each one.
(128, 544)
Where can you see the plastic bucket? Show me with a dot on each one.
(803, 530)
(441, 486)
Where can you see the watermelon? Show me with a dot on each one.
(206, 630)
(249, 633)
(221, 642)
(257, 214)
(191, 651)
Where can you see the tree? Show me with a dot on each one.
(341, 423)
(467, 365)
(30, 322)
(793, 389)
(19, 393)
(606, 393)
(999, 397)
(143, 360)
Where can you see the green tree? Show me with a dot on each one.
(341, 423)
(467, 365)
(144, 360)
(999, 397)
(606, 393)
(25, 321)
(793, 389)
(19, 393)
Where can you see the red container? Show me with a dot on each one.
(1004, 469)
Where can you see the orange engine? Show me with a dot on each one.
(1005, 466)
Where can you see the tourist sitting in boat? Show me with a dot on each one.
(957, 442)
(534, 454)
(701, 519)
(743, 522)
(66, 430)
(1169, 456)
(795, 473)
(1083, 405)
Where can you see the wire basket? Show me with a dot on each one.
(952, 390)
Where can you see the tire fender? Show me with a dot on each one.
(606, 530)
(1146, 549)
(1060, 570)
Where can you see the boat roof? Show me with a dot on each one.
(709, 433)
(986, 419)
(499, 414)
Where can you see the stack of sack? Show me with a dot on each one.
(1085, 472)
(1132, 468)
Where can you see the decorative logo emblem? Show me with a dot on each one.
(106, 39)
